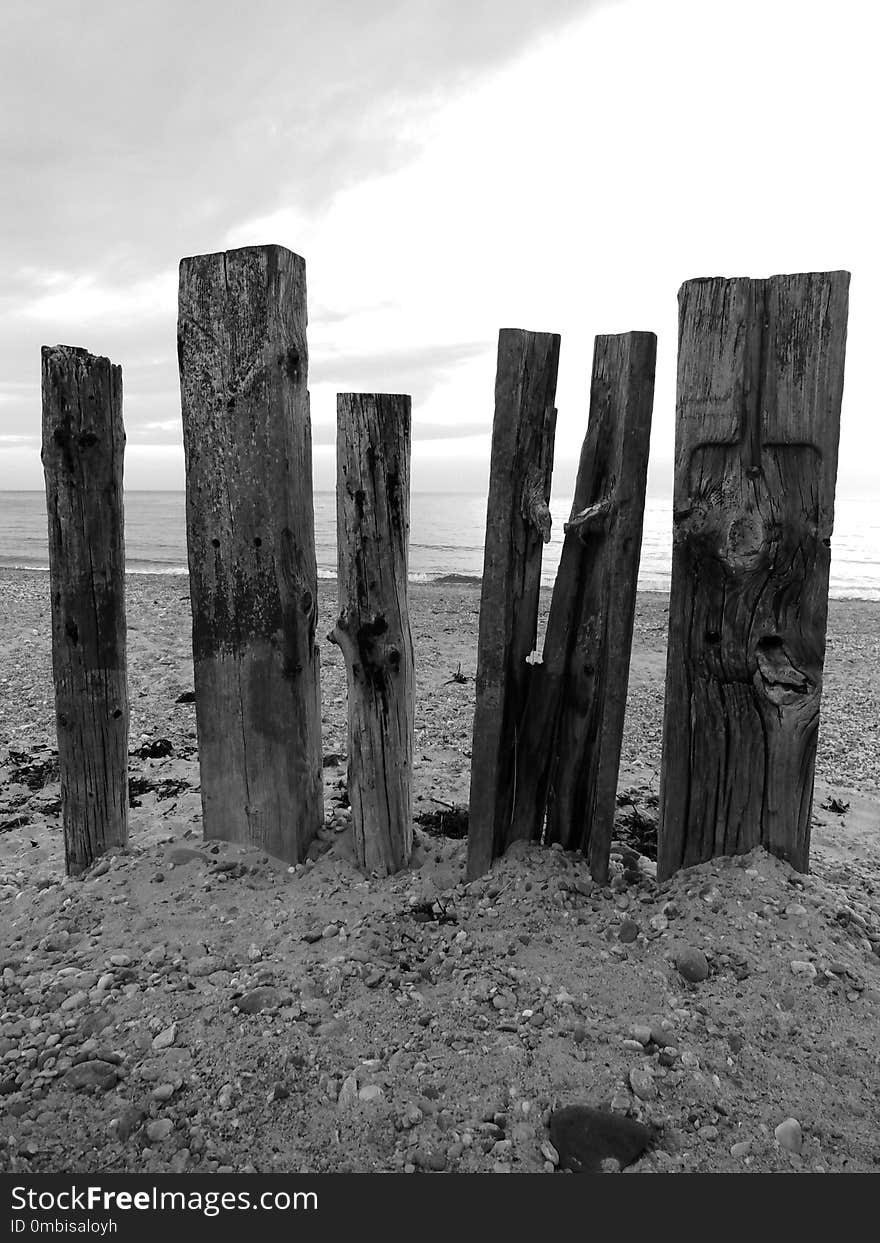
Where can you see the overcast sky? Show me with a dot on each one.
(446, 168)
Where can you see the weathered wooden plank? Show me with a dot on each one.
(250, 532)
(83, 447)
(760, 381)
(573, 726)
(517, 527)
(373, 629)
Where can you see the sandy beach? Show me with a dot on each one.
(445, 620)
(194, 1006)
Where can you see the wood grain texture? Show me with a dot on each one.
(83, 448)
(250, 531)
(760, 381)
(373, 629)
(573, 723)
(517, 527)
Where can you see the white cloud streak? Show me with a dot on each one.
(446, 169)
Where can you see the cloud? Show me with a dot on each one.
(135, 133)
(68, 296)
(445, 167)
(416, 371)
(325, 433)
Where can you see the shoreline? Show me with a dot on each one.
(444, 618)
(468, 582)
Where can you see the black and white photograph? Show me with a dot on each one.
(440, 599)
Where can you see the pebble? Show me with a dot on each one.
(742, 1149)
(158, 1129)
(429, 1159)
(660, 1036)
(412, 1115)
(94, 1074)
(642, 1083)
(628, 931)
(74, 1001)
(584, 1137)
(165, 1038)
(265, 998)
(789, 1135)
(348, 1093)
(805, 969)
(549, 1153)
(692, 965)
(620, 1101)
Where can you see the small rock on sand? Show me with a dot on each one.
(692, 964)
(584, 1137)
(789, 1135)
(165, 1038)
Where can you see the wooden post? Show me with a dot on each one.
(83, 446)
(250, 533)
(373, 631)
(517, 527)
(760, 380)
(573, 728)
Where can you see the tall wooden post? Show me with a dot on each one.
(573, 726)
(83, 446)
(250, 532)
(517, 527)
(373, 630)
(760, 380)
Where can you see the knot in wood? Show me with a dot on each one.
(746, 540)
(593, 519)
(535, 509)
(779, 678)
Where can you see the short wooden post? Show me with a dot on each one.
(83, 447)
(250, 533)
(517, 527)
(373, 630)
(760, 380)
(573, 727)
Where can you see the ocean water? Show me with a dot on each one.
(446, 537)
